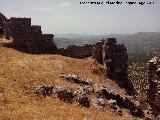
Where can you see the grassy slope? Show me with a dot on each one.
(21, 72)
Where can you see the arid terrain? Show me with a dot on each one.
(21, 72)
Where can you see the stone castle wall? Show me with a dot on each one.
(29, 36)
(97, 53)
(77, 51)
(114, 58)
(154, 85)
(2, 21)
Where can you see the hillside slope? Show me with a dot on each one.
(21, 72)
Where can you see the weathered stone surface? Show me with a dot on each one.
(75, 79)
(2, 23)
(104, 92)
(64, 93)
(119, 102)
(154, 84)
(113, 105)
(84, 101)
(44, 90)
(98, 103)
(86, 90)
(97, 52)
(29, 37)
(76, 51)
(114, 58)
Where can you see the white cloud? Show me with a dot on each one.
(64, 4)
(43, 9)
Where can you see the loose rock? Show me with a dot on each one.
(64, 93)
(44, 90)
(98, 103)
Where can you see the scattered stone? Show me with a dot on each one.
(44, 90)
(99, 103)
(104, 92)
(115, 107)
(86, 90)
(113, 104)
(119, 111)
(75, 79)
(64, 93)
(137, 112)
(128, 104)
(120, 101)
(84, 101)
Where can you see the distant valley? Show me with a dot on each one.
(143, 42)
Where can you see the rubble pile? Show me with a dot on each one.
(121, 102)
(88, 95)
(153, 93)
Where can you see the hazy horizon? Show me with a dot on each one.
(69, 17)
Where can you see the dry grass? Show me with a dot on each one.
(21, 72)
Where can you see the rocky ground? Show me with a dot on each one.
(20, 73)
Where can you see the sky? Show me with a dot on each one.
(69, 16)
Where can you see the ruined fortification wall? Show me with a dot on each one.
(154, 85)
(20, 31)
(48, 43)
(97, 53)
(29, 37)
(114, 58)
(77, 51)
(2, 22)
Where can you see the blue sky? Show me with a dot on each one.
(68, 16)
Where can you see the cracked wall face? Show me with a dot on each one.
(114, 58)
(29, 36)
